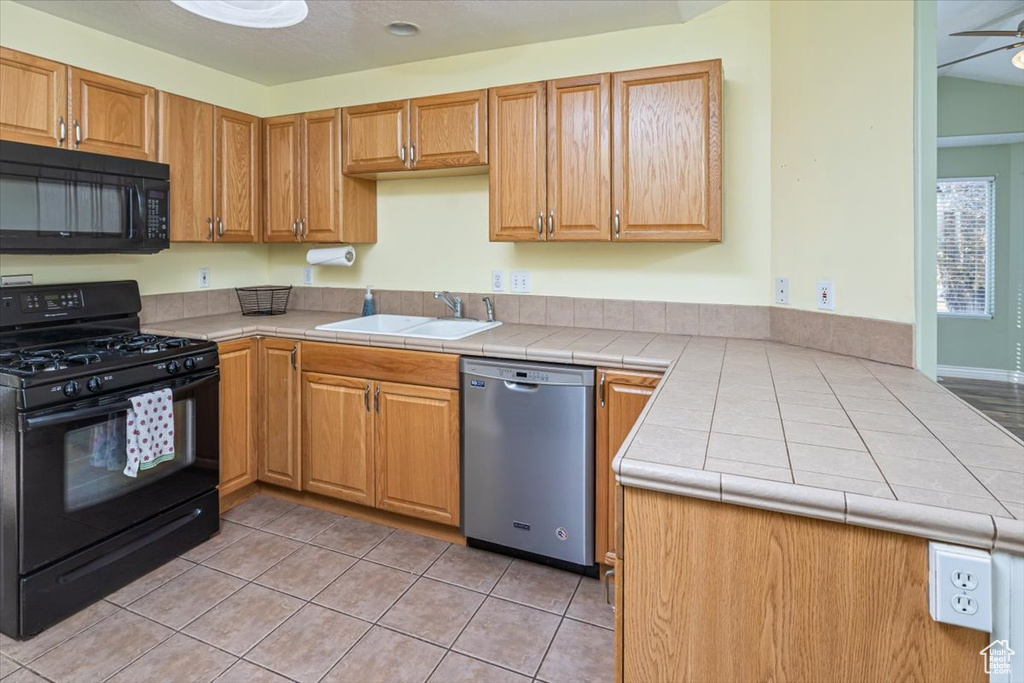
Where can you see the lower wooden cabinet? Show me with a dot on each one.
(621, 397)
(239, 414)
(279, 396)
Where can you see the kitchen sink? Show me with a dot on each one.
(412, 326)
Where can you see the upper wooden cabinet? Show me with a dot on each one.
(112, 116)
(440, 132)
(518, 176)
(48, 103)
(214, 158)
(33, 99)
(306, 197)
(667, 153)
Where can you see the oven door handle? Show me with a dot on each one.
(87, 412)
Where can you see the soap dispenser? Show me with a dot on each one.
(368, 301)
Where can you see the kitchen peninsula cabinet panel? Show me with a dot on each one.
(667, 153)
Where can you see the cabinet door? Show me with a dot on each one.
(579, 165)
(447, 131)
(238, 414)
(237, 176)
(518, 184)
(621, 397)
(34, 100)
(337, 437)
(282, 178)
(376, 137)
(186, 145)
(112, 116)
(321, 176)
(417, 451)
(279, 401)
(667, 153)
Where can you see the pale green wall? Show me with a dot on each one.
(997, 342)
(978, 108)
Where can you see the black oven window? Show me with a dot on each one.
(94, 458)
(43, 206)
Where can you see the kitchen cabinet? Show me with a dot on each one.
(280, 397)
(48, 103)
(212, 156)
(34, 104)
(810, 600)
(667, 153)
(338, 437)
(621, 397)
(439, 132)
(306, 197)
(239, 414)
(418, 451)
(518, 159)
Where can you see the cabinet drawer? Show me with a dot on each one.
(388, 365)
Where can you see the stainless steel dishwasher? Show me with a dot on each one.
(528, 460)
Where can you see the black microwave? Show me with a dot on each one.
(60, 201)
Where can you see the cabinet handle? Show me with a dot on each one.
(302, 229)
(551, 222)
(63, 131)
(209, 228)
(376, 399)
(291, 356)
(616, 221)
(295, 229)
(366, 398)
(412, 154)
(607, 584)
(602, 390)
(401, 153)
(220, 227)
(78, 133)
(540, 223)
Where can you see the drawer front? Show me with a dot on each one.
(387, 365)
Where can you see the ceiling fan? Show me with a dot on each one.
(1018, 59)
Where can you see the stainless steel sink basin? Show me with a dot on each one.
(412, 326)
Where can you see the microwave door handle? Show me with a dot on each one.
(134, 209)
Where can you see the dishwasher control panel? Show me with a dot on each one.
(523, 375)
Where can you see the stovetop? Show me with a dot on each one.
(127, 349)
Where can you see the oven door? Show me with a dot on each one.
(73, 489)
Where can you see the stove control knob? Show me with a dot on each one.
(173, 367)
(94, 384)
(72, 388)
(190, 364)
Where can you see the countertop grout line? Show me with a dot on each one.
(711, 427)
(778, 406)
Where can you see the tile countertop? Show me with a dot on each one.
(763, 424)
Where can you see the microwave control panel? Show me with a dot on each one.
(51, 300)
(156, 214)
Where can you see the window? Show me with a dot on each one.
(966, 208)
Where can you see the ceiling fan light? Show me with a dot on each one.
(1018, 60)
(248, 13)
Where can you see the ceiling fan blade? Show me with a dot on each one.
(982, 54)
(998, 34)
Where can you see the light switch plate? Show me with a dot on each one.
(782, 290)
(307, 275)
(204, 277)
(521, 281)
(960, 586)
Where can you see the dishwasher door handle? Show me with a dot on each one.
(521, 386)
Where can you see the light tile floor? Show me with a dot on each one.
(287, 592)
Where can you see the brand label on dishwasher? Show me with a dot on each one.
(521, 525)
(477, 383)
(561, 533)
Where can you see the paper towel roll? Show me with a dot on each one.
(336, 256)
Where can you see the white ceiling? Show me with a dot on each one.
(979, 15)
(340, 36)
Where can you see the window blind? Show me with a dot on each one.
(964, 263)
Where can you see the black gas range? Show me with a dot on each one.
(77, 523)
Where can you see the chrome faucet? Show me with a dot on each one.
(489, 305)
(454, 303)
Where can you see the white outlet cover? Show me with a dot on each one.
(204, 277)
(307, 275)
(960, 586)
(497, 281)
(782, 290)
(826, 294)
(521, 281)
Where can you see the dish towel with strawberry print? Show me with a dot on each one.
(150, 431)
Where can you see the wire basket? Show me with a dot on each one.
(263, 300)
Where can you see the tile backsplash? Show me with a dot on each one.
(881, 340)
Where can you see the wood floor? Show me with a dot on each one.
(1002, 401)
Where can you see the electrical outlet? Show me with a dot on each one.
(521, 281)
(497, 280)
(307, 275)
(782, 290)
(960, 586)
(827, 295)
(204, 277)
